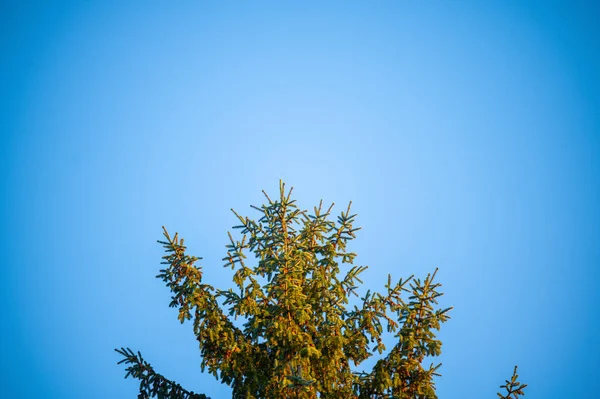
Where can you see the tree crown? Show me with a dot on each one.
(288, 329)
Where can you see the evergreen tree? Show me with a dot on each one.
(301, 338)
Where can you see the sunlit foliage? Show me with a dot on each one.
(299, 334)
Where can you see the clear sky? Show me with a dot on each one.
(467, 135)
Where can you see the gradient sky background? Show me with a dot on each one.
(466, 134)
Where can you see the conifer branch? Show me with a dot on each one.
(513, 387)
(225, 349)
(153, 384)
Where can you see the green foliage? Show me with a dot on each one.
(513, 387)
(298, 335)
(153, 384)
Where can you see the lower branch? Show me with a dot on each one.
(153, 384)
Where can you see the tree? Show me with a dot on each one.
(298, 336)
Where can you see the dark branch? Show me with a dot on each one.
(153, 384)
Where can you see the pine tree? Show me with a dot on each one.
(298, 335)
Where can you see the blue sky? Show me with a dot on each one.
(467, 135)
